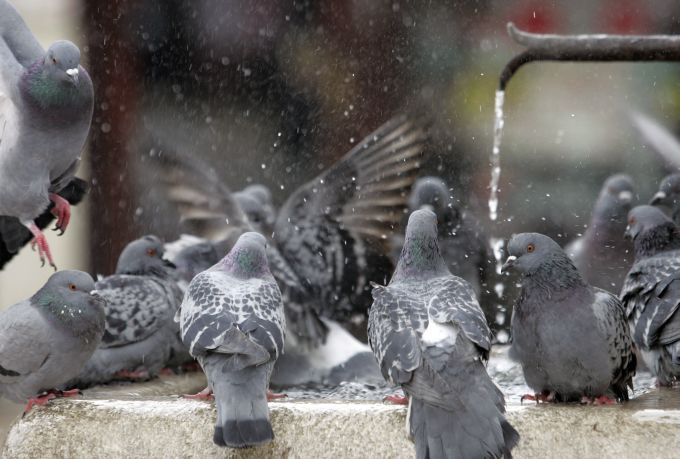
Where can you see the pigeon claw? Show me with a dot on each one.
(61, 210)
(601, 400)
(41, 244)
(136, 375)
(272, 396)
(543, 397)
(396, 399)
(40, 400)
(205, 394)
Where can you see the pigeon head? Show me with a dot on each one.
(264, 197)
(253, 209)
(62, 61)
(651, 231)
(70, 296)
(669, 192)
(144, 256)
(614, 200)
(430, 193)
(248, 257)
(194, 259)
(420, 257)
(534, 254)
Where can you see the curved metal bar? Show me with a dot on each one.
(603, 48)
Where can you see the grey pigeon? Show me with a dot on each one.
(141, 336)
(462, 241)
(669, 196)
(430, 336)
(602, 255)
(651, 292)
(232, 321)
(332, 234)
(47, 339)
(14, 235)
(571, 339)
(46, 104)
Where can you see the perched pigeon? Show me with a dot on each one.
(232, 321)
(602, 255)
(47, 339)
(429, 336)
(141, 336)
(570, 338)
(669, 196)
(14, 235)
(651, 292)
(331, 235)
(190, 255)
(46, 104)
(462, 240)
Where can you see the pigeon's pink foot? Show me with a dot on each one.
(68, 393)
(166, 372)
(40, 242)
(191, 366)
(543, 397)
(205, 394)
(136, 375)
(61, 210)
(395, 399)
(39, 400)
(272, 396)
(601, 400)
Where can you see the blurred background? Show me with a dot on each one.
(273, 92)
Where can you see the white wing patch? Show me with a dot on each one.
(436, 333)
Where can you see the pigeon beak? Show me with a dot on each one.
(626, 197)
(630, 233)
(73, 73)
(658, 198)
(509, 263)
(169, 264)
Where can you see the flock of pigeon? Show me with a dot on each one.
(294, 280)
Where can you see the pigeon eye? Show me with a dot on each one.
(151, 252)
(54, 61)
(632, 220)
(72, 287)
(530, 248)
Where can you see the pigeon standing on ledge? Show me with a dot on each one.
(571, 339)
(46, 339)
(651, 292)
(602, 255)
(46, 105)
(429, 336)
(232, 321)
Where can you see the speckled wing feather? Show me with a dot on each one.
(611, 321)
(206, 206)
(335, 229)
(642, 280)
(137, 307)
(222, 314)
(455, 303)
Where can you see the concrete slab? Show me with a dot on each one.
(142, 420)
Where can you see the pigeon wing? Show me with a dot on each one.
(22, 348)
(137, 307)
(17, 37)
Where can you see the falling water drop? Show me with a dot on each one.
(497, 244)
(496, 155)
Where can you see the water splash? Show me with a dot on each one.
(497, 245)
(495, 159)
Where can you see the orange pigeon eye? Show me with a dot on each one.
(530, 248)
(72, 287)
(151, 252)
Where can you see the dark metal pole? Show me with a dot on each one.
(602, 48)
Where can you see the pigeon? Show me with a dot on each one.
(462, 240)
(232, 322)
(46, 339)
(429, 336)
(651, 291)
(46, 105)
(330, 238)
(602, 255)
(264, 214)
(669, 196)
(14, 235)
(571, 339)
(141, 337)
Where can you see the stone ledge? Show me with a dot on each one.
(136, 421)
